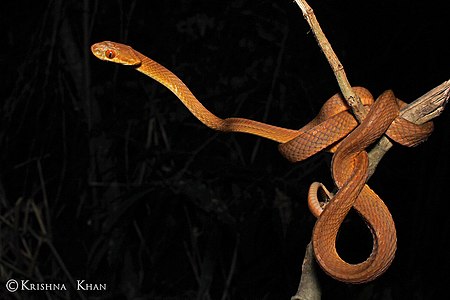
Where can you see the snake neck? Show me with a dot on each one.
(162, 75)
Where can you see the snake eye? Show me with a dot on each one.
(110, 54)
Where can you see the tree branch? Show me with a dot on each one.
(421, 110)
(308, 288)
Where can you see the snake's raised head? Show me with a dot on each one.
(115, 52)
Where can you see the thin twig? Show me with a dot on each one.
(352, 99)
(232, 270)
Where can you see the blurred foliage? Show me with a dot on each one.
(106, 177)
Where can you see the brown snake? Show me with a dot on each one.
(334, 129)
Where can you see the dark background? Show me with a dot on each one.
(105, 176)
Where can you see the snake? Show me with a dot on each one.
(334, 129)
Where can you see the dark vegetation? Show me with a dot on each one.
(106, 177)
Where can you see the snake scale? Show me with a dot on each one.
(334, 129)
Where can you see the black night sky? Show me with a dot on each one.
(106, 177)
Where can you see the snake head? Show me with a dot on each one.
(116, 52)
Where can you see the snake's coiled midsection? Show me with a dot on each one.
(350, 174)
(333, 130)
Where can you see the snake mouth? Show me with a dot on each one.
(96, 51)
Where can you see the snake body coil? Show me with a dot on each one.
(333, 129)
